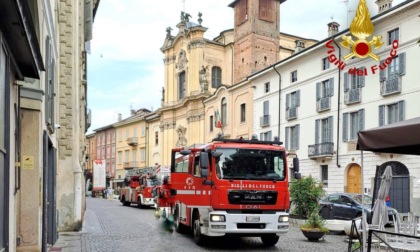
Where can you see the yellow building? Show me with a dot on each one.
(204, 76)
(130, 144)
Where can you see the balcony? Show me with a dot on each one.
(131, 165)
(391, 86)
(323, 104)
(132, 141)
(353, 96)
(265, 121)
(291, 113)
(321, 150)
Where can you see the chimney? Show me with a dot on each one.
(299, 45)
(332, 28)
(383, 5)
(119, 117)
(133, 112)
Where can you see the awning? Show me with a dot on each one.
(399, 138)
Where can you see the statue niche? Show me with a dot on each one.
(182, 140)
(204, 82)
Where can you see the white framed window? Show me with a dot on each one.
(325, 63)
(143, 130)
(324, 174)
(293, 76)
(120, 157)
(216, 77)
(292, 137)
(127, 156)
(353, 122)
(134, 155)
(120, 135)
(267, 87)
(324, 130)
(243, 112)
(391, 113)
(142, 155)
(266, 136)
(393, 35)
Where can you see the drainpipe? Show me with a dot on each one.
(338, 104)
(279, 97)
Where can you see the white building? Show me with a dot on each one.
(322, 107)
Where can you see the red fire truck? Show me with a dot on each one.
(138, 190)
(231, 187)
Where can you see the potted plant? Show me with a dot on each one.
(314, 227)
(305, 194)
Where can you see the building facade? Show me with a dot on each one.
(198, 71)
(322, 104)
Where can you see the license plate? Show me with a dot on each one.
(252, 218)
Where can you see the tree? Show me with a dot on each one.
(305, 194)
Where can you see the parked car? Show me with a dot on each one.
(347, 206)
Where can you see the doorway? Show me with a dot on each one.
(354, 179)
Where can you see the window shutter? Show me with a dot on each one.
(287, 101)
(361, 81)
(331, 87)
(287, 138)
(361, 115)
(381, 115)
(382, 73)
(266, 107)
(269, 136)
(297, 98)
(318, 91)
(401, 111)
(346, 82)
(297, 136)
(262, 137)
(317, 131)
(345, 127)
(330, 129)
(401, 59)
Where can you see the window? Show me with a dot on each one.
(391, 113)
(119, 135)
(119, 157)
(353, 122)
(113, 151)
(395, 68)
(127, 133)
(242, 12)
(108, 151)
(135, 132)
(224, 111)
(324, 174)
(266, 10)
(293, 99)
(211, 123)
(265, 136)
(292, 137)
(324, 92)
(49, 85)
(143, 130)
(267, 87)
(127, 156)
(324, 130)
(325, 63)
(142, 155)
(181, 86)
(243, 112)
(216, 77)
(393, 35)
(156, 138)
(134, 155)
(293, 76)
(265, 119)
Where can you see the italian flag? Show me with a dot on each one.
(217, 122)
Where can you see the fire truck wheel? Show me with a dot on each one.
(179, 227)
(125, 203)
(270, 241)
(199, 238)
(139, 204)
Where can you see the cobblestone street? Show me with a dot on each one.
(109, 226)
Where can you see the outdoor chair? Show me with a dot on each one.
(406, 224)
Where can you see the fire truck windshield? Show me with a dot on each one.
(250, 164)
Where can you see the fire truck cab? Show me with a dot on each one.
(138, 190)
(229, 187)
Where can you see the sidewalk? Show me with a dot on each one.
(72, 241)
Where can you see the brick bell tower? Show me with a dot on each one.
(257, 32)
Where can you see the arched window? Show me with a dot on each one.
(216, 77)
(224, 111)
(181, 85)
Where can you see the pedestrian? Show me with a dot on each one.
(104, 193)
(110, 193)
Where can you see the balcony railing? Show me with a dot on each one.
(321, 150)
(291, 113)
(323, 104)
(391, 86)
(132, 141)
(131, 165)
(353, 96)
(265, 121)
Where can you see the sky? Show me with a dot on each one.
(125, 64)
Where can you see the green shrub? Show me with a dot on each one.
(305, 194)
(315, 222)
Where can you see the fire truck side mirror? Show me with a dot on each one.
(204, 164)
(296, 164)
(165, 180)
(298, 175)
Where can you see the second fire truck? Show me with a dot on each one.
(229, 187)
(138, 190)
